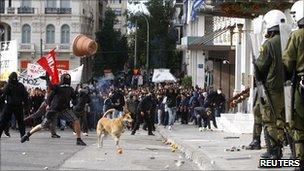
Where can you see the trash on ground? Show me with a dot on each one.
(62, 153)
(24, 153)
(152, 157)
(167, 167)
(45, 168)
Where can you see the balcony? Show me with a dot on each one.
(58, 10)
(29, 47)
(49, 10)
(65, 10)
(26, 10)
(10, 10)
(59, 47)
(64, 47)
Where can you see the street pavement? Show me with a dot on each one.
(140, 152)
(211, 150)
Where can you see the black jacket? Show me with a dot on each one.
(60, 97)
(146, 104)
(15, 94)
(83, 99)
(118, 100)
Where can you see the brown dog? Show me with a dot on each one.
(113, 127)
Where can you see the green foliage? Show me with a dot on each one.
(113, 47)
(187, 81)
(162, 53)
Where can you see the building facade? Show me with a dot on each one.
(41, 25)
(120, 8)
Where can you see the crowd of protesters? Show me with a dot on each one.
(166, 104)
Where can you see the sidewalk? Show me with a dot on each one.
(208, 148)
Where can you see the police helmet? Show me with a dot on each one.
(272, 20)
(297, 12)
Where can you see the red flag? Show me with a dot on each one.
(48, 62)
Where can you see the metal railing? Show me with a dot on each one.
(26, 10)
(27, 47)
(49, 10)
(65, 10)
(10, 10)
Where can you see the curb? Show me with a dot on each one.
(199, 158)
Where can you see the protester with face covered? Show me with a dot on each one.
(59, 101)
(17, 101)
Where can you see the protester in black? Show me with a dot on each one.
(17, 97)
(59, 104)
(145, 108)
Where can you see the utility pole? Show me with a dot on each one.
(135, 50)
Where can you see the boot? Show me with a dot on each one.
(55, 136)
(6, 132)
(276, 153)
(25, 137)
(267, 154)
(80, 142)
(254, 145)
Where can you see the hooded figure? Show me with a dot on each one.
(17, 101)
(65, 79)
(13, 78)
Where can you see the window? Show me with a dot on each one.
(26, 33)
(117, 11)
(50, 34)
(64, 3)
(26, 3)
(51, 3)
(65, 34)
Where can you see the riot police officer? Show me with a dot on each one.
(293, 59)
(268, 64)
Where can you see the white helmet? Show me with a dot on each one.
(274, 18)
(297, 10)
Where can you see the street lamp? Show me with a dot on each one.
(1, 33)
(148, 37)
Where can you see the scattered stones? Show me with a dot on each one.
(119, 151)
(179, 163)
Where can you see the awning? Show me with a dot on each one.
(201, 42)
(244, 9)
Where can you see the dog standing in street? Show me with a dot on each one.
(113, 127)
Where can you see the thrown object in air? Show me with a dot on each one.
(83, 46)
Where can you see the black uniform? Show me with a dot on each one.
(145, 106)
(17, 97)
(83, 100)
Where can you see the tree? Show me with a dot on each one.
(113, 48)
(163, 52)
